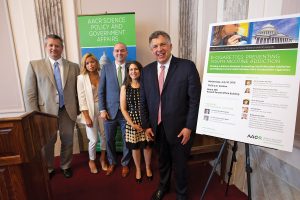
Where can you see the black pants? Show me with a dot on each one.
(173, 154)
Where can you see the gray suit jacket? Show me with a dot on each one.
(40, 91)
(109, 90)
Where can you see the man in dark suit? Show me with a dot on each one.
(50, 87)
(112, 77)
(170, 95)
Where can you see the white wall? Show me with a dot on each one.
(70, 28)
(10, 88)
(25, 33)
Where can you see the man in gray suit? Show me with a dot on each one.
(50, 87)
(112, 77)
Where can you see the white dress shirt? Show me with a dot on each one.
(123, 70)
(167, 65)
(61, 69)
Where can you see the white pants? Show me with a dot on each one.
(92, 134)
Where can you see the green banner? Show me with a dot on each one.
(107, 29)
(275, 62)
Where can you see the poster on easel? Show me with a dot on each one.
(251, 82)
(99, 33)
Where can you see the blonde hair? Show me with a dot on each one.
(83, 69)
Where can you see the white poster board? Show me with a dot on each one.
(251, 82)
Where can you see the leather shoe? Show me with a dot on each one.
(138, 180)
(150, 178)
(51, 174)
(158, 195)
(110, 170)
(67, 172)
(125, 171)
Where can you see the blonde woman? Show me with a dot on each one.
(87, 88)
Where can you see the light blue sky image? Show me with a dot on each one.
(98, 52)
(288, 26)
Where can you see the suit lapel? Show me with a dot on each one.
(50, 71)
(66, 68)
(172, 69)
(155, 77)
(114, 72)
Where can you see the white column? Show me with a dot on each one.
(173, 24)
(25, 33)
(71, 36)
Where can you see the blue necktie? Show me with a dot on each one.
(59, 84)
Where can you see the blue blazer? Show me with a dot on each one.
(179, 101)
(109, 90)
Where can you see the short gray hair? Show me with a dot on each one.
(156, 34)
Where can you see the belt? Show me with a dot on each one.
(62, 108)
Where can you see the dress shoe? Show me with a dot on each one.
(93, 167)
(158, 195)
(67, 172)
(138, 180)
(51, 174)
(138, 173)
(125, 171)
(110, 170)
(150, 176)
(181, 197)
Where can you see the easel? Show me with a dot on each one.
(233, 159)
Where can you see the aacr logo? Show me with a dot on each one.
(256, 137)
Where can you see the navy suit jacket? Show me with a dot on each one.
(179, 100)
(109, 90)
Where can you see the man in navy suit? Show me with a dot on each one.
(111, 79)
(170, 95)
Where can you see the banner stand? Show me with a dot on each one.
(233, 159)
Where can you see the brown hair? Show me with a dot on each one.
(128, 78)
(217, 35)
(56, 37)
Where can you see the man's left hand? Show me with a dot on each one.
(185, 133)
